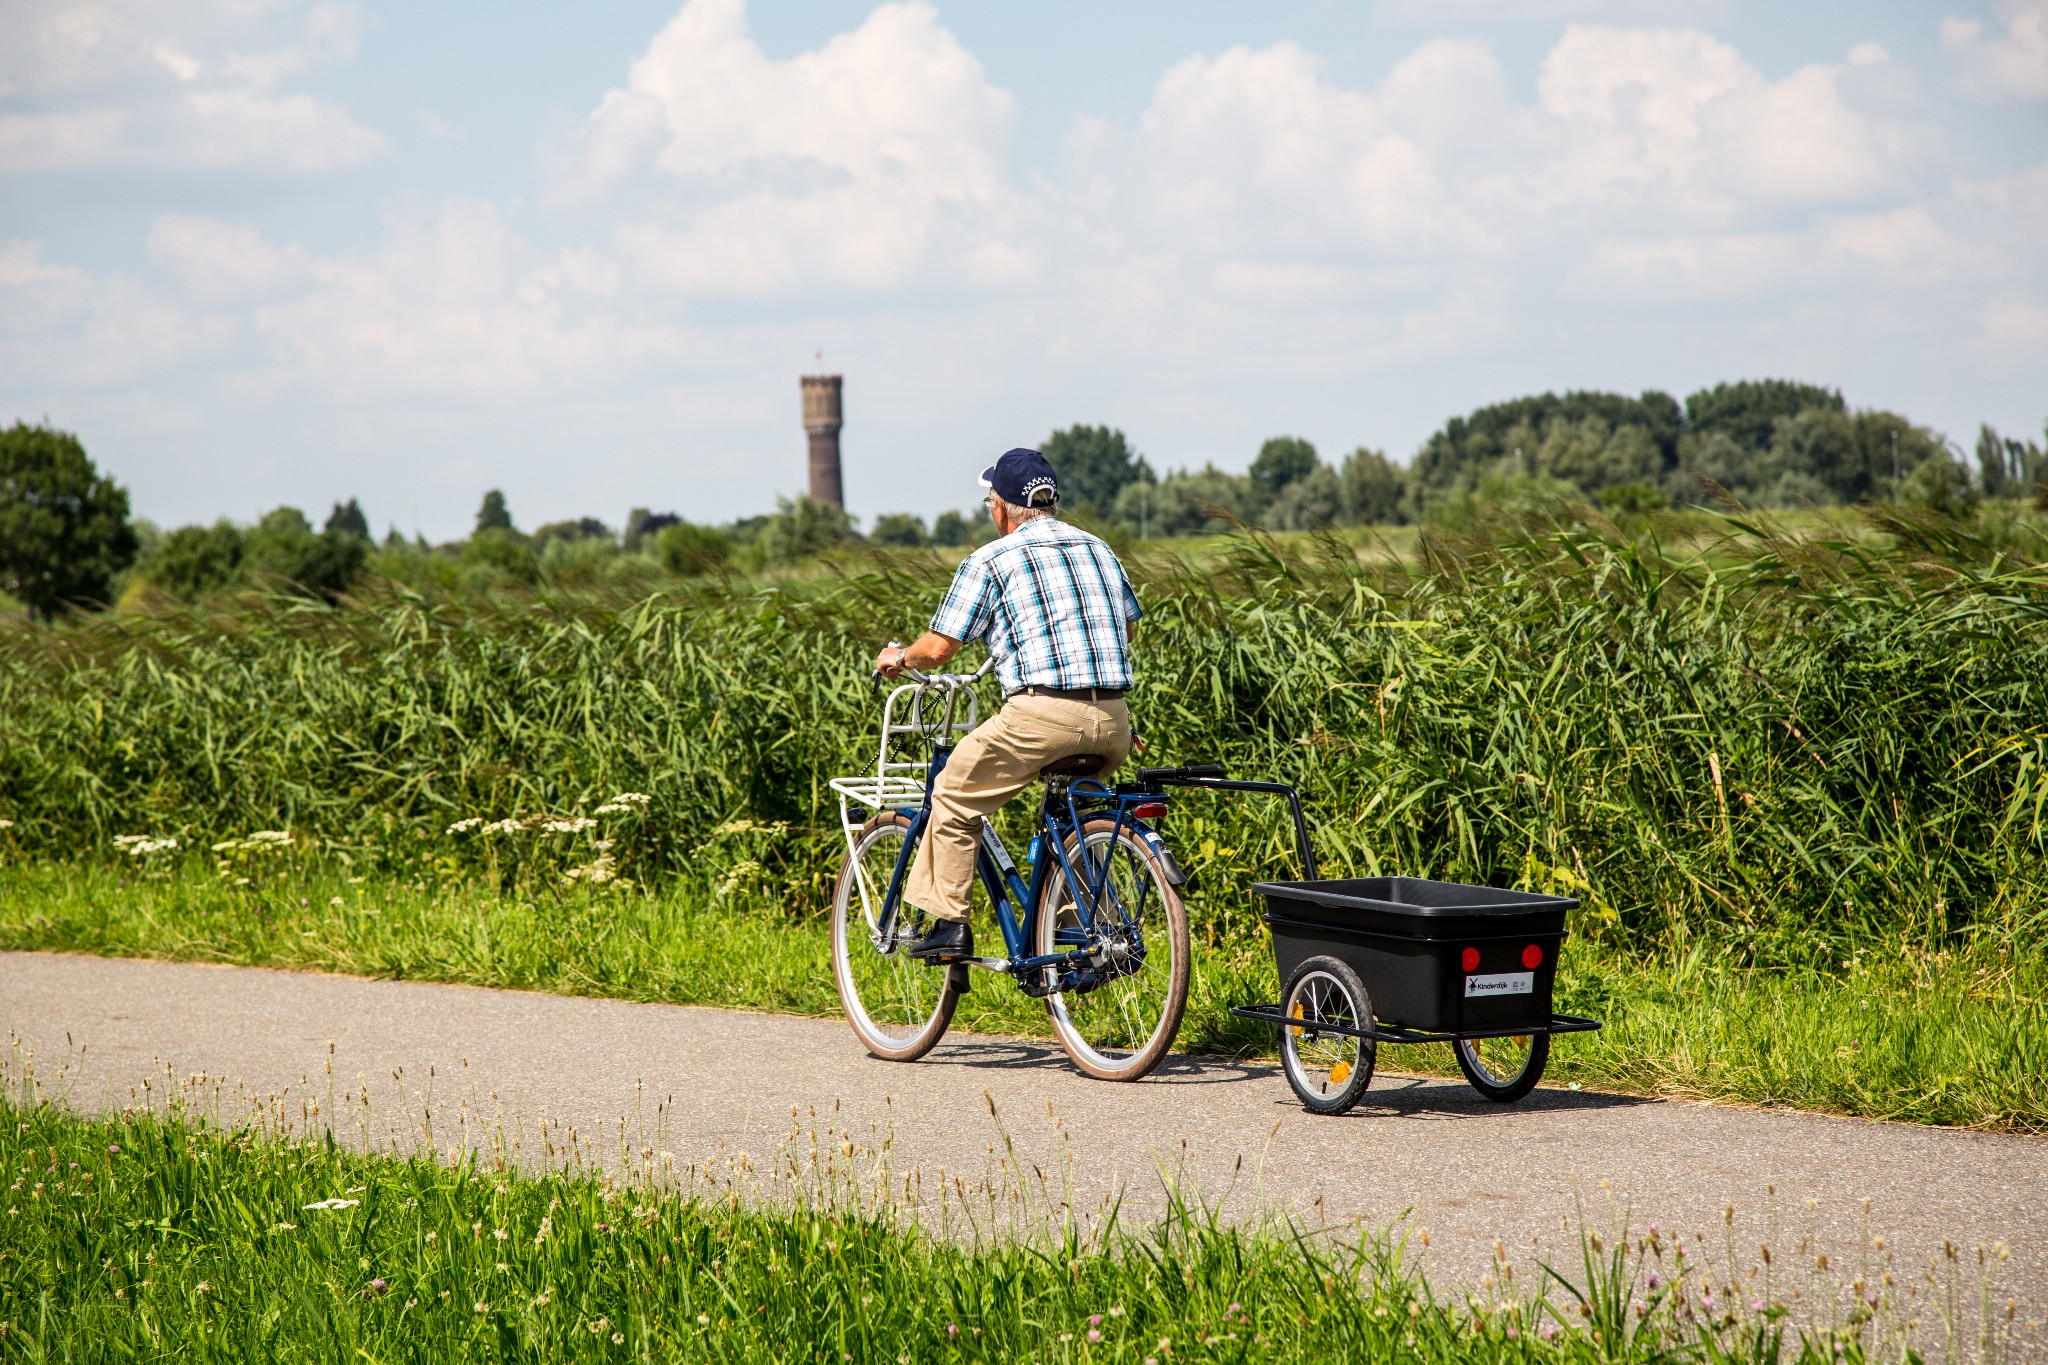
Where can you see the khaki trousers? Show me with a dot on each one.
(998, 759)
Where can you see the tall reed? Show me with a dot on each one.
(1779, 745)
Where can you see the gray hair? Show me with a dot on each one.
(1019, 514)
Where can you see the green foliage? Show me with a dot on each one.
(1186, 503)
(1784, 745)
(1572, 433)
(1375, 489)
(1310, 502)
(493, 515)
(643, 525)
(348, 519)
(283, 551)
(1632, 499)
(1748, 412)
(195, 560)
(64, 529)
(801, 529)
(1281, 462)
(1095, 465)
(151, 1238)
(950, 528)
(688, 550)
(581, 528)
(899, 528)
(502, 551)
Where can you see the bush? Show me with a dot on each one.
(899, 528)
(802, 528)
(686, 550)
(502, 551)
(195, 560)
(284, 551)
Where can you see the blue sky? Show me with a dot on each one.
(258, 251)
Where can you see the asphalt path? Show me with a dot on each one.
(550, 1078)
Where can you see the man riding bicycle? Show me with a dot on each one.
(1057, 612)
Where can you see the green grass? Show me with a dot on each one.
(141, 1236)
(1954, 1037)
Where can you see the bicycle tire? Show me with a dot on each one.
(1170, 988)
(1328, 1073)
(908, 1028)
(1504, 1086)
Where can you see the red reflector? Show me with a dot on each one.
(1471, 959)
(1151, 810)
(1532, 957)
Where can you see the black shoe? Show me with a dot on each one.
(948, 940)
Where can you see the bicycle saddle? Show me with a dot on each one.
(1078, 765)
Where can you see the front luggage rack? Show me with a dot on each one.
(1394, 1033)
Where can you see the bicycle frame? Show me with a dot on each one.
(1014, 899)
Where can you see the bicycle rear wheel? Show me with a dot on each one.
(899, 1007)
(1119, 1029)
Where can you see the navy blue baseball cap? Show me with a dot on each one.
(1019, 475)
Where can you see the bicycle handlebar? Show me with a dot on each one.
(923, 679)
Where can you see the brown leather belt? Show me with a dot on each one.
(1070, 693)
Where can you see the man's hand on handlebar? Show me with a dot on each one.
(931, 650)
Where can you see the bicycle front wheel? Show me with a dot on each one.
(899, 1007)
(1120, 1017)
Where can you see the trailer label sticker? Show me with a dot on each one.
(1501, 983)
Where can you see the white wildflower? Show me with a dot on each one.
(6, 824)
(331, 1204)
(464, 826)
(507, 826)
(271, 836)
(143, 845)
(569, 824)
(632, 798)
(611, 808)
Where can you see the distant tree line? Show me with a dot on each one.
(67, 541)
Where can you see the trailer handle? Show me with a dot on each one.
(1210, 776)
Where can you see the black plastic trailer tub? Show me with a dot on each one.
(1439, 957)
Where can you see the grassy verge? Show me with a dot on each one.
(1951, 1038)
(144, 1236)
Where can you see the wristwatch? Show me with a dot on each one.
(902, 653)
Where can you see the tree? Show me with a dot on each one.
(687, 551)
(348, 519)
(1504, 439)
(64, 529)
(642, 525)
(503, 551)
(801, 528)
(195, 560)
(582, 528)
(493, 515)
(284, 547)
(1186, 504)
(1094, 465)
(1311, 502)
(1281, 461)
(1375, 489)
(1748, 412)
(899, 528)
(949, 528)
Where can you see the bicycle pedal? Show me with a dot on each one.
(959, 978)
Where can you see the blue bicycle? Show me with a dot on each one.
(1093, 924)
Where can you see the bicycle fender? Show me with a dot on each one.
(1174, 876)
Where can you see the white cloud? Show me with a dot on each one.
(223, 262)
(847, 165)
(127, 83)
(66, 328)
(2012, 66)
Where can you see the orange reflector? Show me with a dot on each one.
(1340, 1073)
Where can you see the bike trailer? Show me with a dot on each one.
(1437, 957)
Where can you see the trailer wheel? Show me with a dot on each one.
(1328, 1071)
(1504, 1069)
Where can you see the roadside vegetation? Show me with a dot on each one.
(1797, 781)
(164, 1234)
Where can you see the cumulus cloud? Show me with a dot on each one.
(129, 83)
(2012, 65)
(843, 165)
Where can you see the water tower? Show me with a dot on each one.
(822, 420)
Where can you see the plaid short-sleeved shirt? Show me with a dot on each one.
(1051, 602)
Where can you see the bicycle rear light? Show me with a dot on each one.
(1532, 957)
(1471, 959)
(1151, 810)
